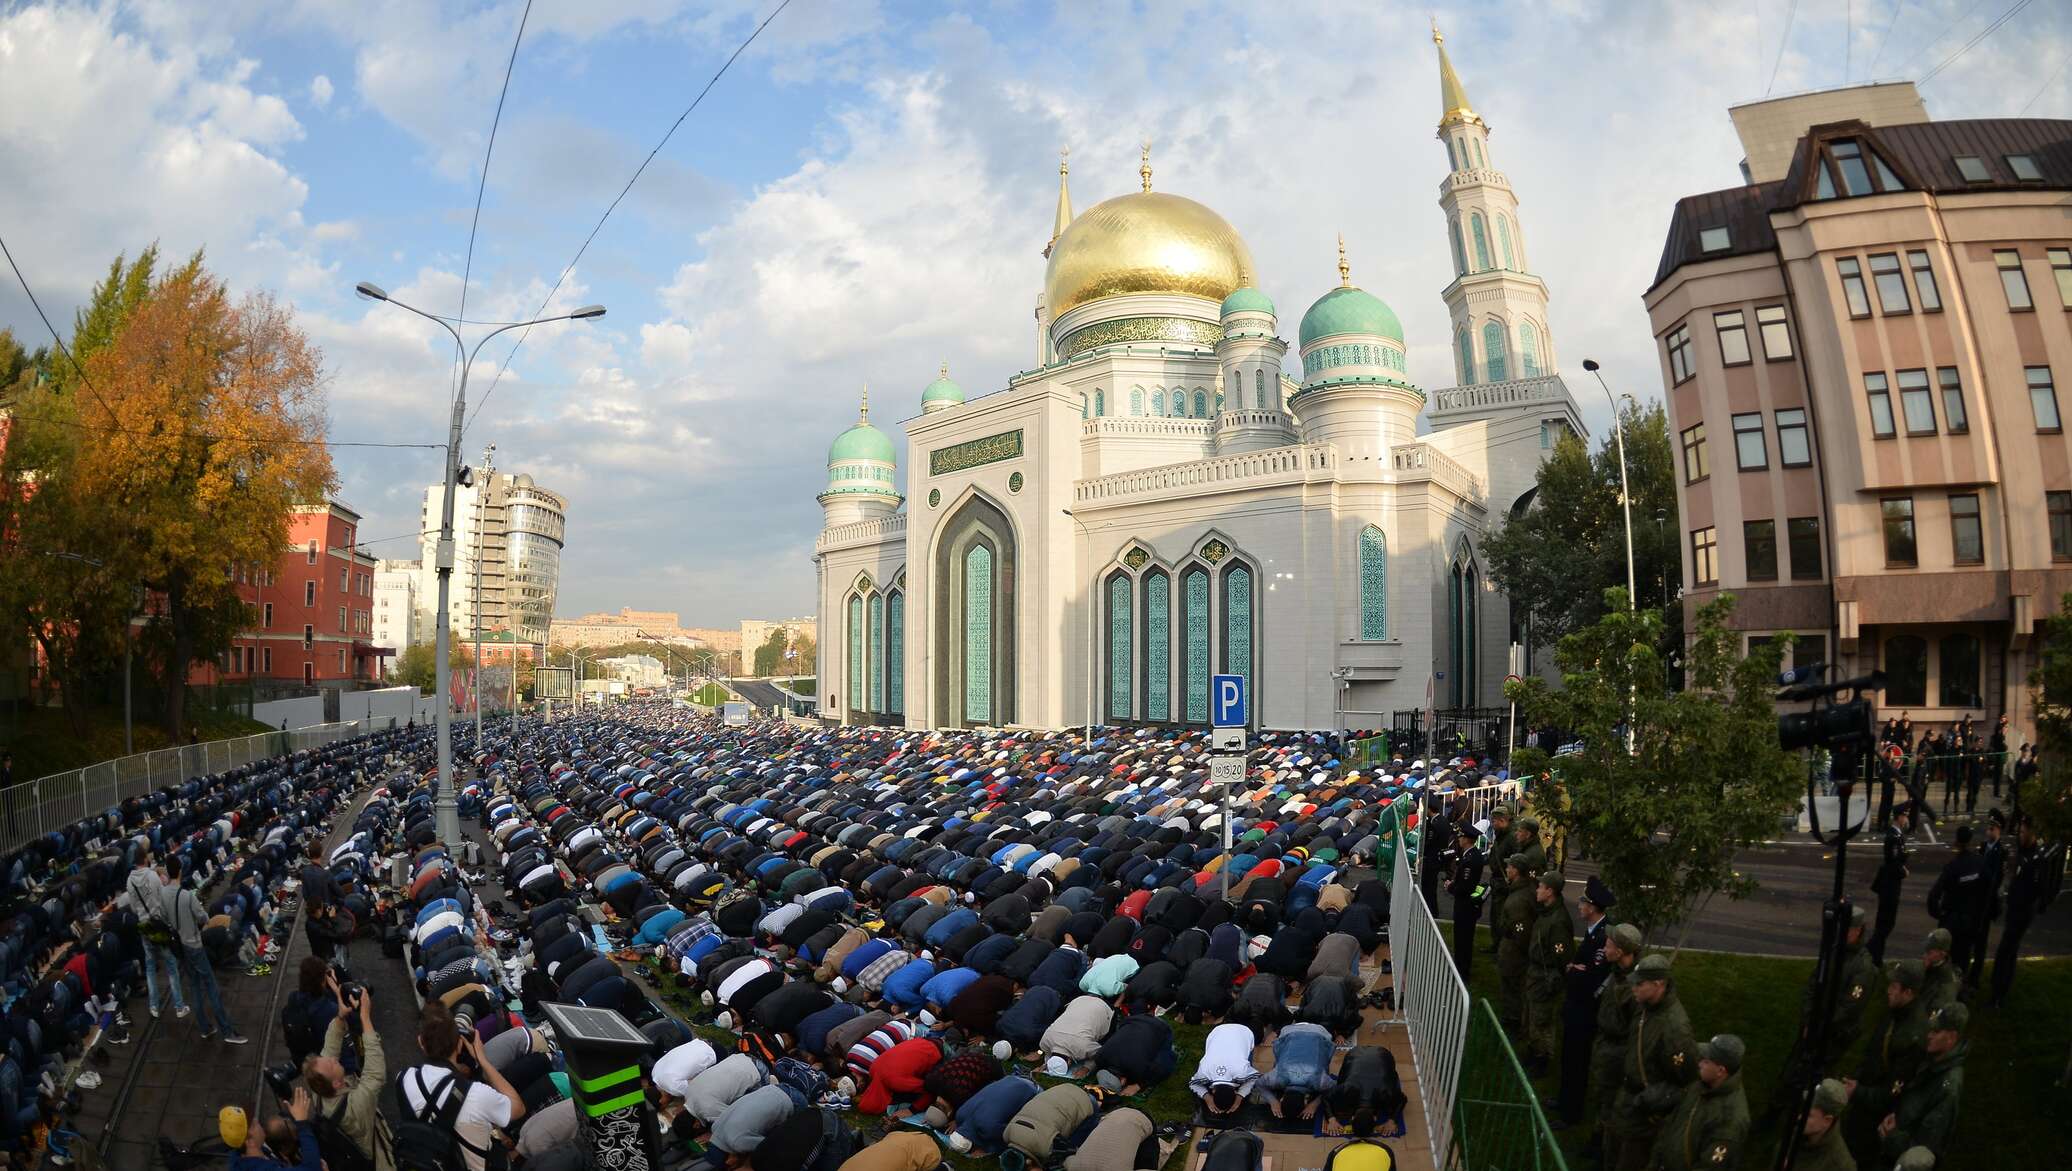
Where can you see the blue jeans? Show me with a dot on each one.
(155, 956)
(207, 997)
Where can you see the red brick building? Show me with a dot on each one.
(313, 612)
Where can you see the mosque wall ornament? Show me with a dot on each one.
(1014, 482)
(1139, 329)
(934, 497)
(975, 453)
(1214, 551)
(1136, 558)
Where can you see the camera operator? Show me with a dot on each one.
(262, 1152)
(455, 1061)
(352, 1104)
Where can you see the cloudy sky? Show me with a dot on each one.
(863, 196)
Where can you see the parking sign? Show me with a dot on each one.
(1228, 701)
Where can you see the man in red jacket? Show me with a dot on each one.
(899, 1073)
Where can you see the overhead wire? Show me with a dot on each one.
(482, 184)
(1983, 33)
(1790, 14)
(1901, 68)
(599, 226)
(2045, 87)
(1886, 39)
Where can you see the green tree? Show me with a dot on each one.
(416, 666)
(769, 657)
(1556, 557)
(1705, 777)
(2048, 798)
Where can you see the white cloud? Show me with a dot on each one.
(320, 91)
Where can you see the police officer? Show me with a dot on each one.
(1547, 956)
(2024, 899)
(1436, 833)
(1614, 1009)
(1582, 982)
(1961, 903)
(1859, 982)
(1467, 889)
(1892, 872)
(1709, 1128)
(1511, 956)
(1659, 1060)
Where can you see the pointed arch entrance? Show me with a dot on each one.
(975, 574)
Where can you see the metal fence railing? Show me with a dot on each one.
(33, 808)
(1430, 999)
(1498, 1124)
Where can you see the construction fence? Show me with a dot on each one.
(33, 808)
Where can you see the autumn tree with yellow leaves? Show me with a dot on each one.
(164, 460)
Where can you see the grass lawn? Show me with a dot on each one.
(43, 742)
(2010, 1075)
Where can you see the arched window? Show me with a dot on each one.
(1239, 616)
(978, 634)
(1460, 254)
(1100, 404)
(1158, 646)
(855, 696)
(1471, 668)
(1158, 402)
(1259, 384)
(1503, 237)
(1451, 165)
(1478, 152)
(1136, 400)
(1906, 671)
(877, 652)
(1453, 636)
(1374, 583)
(1493, 351)
(895, 652)
(1201, 403)
(1528, 350)
(1120, 643)
(1194, 645)
(1467, 358)
(1957, 667)
(1481, 237)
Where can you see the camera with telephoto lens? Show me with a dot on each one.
(282, 1079)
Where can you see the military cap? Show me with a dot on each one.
(1916, 1159)
(1652, 967)
(1529, 824)
(1551, 879)
(1939, 939)
(1724, 1049)
(1909, 974)
(1830, 1096)
(1627, 936)
(1599, 894)
(1950, 1018)
(1504, 811)
(1515, 862)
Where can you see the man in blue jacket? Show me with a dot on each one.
(258, 1155)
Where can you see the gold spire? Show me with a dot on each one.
(1144, 168)
(863, 409)
(943, 371)
(1453, 98)
(1345, 271)
(1064, 216)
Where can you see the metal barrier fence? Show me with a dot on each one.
(1430, 999)
(33, 808)
(1497, 1121)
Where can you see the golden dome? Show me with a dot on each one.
(1146, 242)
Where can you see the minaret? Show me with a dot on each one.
(1499, 308)
(1058, 224)
(861, 469)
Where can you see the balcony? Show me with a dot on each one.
(1421, 461)
(876, 530)
(1516, 392)
(1279, 465)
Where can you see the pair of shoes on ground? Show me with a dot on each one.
(229, 1038)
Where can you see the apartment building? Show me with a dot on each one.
(312, 612)
(1863, 348)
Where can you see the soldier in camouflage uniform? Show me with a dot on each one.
(1614, 1029)
(1926, 1113)
(1660, 1058)
(1549, 947)
(1895, 1053)
(1517, 916)
(1708, 1131)
(1525, 842)
(1939, 979)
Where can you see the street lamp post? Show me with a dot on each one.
(1625, 497)
(444, 799)
(481, 522)
(1091, 601)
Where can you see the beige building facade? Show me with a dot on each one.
(1862, 359)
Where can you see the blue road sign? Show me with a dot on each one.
(1229, 701)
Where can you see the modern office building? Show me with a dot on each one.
(1863, 348)
(401, 618)
(516, 529)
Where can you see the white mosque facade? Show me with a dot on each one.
(1158, 501)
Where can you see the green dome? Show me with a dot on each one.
(1349, 310)
(942, 390)
(862, 441)
(1246, 300)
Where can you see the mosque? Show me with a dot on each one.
(1159, 501)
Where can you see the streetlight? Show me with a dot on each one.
(444, 797)
(1092, 596)
(1625, 497)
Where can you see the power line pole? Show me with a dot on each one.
(481, 512)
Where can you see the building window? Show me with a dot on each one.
(1467, 358)
(1201, 404)
(266, 616)
(2024, 168)
(1802, 537)
(341, 661)
(1194, 646)
(308, 673)
(1808, 649)
(1121, 641)
(345, 581)
(1759, 541)
(895, 652)
(1705, 556)
(2059, 505)
(1852, 286)
(856, 696)
(1100, 403)
(1750, 454)
(2012, 279)
(1503, 235)
(1460, 256)
(1906, 671)
(2043, 398)
(309, 593)
(1880, 397)
(1733, 338)
(1957, 670)
(1892, 287)
(266, 659)
(1916, 403)
(1954, 418)
(1481, 238)
(341, 620)
(1967, 541)
(1237, 606)
(1900, 551)
(311, 552)
(1793, 451)
(1679, 343)
(2061, 270)
(1158, 647)
(1696, 465)
(1494, 360)
(1769, 319)
(1136, 400)
(1714, 240)
(309, 635)
(1973, 169)
(1528, 350)
(1848, 156)
(1374, 584)
(1259, 387)
(1924, 281)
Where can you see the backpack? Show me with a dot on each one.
(427, 1141)
(794, 1075)
(302, 1036)
(340, 1152)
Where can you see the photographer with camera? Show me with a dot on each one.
(349, 1107)
(450, 1118)
(267, 1148)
